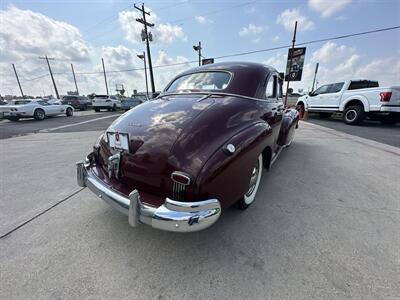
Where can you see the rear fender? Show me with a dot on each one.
(289, 124)
(226, 176)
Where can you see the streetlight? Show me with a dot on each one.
(143, 56)
(198, 48)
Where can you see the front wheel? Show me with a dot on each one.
(353, 115)
(14, 119)
(97, 109)
(69, 112)
(114, 108)
(254, 183)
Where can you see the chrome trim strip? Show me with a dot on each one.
(171, 216)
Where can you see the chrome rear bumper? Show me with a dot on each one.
(173, 215)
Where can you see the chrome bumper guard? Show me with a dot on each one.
(171, 216)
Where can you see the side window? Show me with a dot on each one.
(336, 87)
(321, 90)
(271, 90)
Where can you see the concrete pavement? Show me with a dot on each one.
(325, 225)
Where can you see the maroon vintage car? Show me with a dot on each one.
(175, 162)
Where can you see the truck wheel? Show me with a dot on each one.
(254, 183)
(325, 115)
(69, 112)
(353, 115)
(390, 119)
(39, 114)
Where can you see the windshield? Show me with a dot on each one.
(201, 81)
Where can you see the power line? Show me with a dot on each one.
(234, 54)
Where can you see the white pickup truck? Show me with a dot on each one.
(356, 99)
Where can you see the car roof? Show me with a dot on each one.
(248, 78)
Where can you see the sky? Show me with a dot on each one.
(82, 32)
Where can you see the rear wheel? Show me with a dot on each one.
(14, 119)
(39, 114)
(254, 183)
(97, 109)
(353, 115)
(69, 112)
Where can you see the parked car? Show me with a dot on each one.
(36, 108)
(135, 100)
(77, 102)
(106, 102)
(175, 162)
(356, 99)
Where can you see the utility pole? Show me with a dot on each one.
(315, 76)
(198, 49)
(148, 37)
(51, 74)
(19, 84)
(105, 76)
(290, 62)
(143, 56)
(73, 73)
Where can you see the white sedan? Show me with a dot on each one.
(36, 108)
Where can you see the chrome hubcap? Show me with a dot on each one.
(253, 179)
(351, 115)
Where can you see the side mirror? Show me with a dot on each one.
(310, 94)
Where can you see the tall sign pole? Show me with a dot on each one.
(73, 73)
(105, 76)
(290, 62)
(51, 74)
(19, 84)
(315, 76)
(148, 37)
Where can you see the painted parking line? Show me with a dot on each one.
(77, 124)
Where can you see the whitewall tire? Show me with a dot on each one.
(254, 183)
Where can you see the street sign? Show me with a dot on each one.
(296, 66)
(207, 61)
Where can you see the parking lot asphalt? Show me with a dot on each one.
(373, 130)
(325, 225)
(86, 120)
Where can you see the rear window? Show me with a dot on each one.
(70, 98)
(101, 97)
(201, 81)
(21, 102)
(364, 84)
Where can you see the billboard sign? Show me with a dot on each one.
(296, 66)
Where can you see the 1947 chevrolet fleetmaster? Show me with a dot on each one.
(201, 146)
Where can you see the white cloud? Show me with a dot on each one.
(25, 36)
(290, 16)
(203, 20)
(251, 29)
(276, 38)
(330, 52)
(162, 32)
(328, 8)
